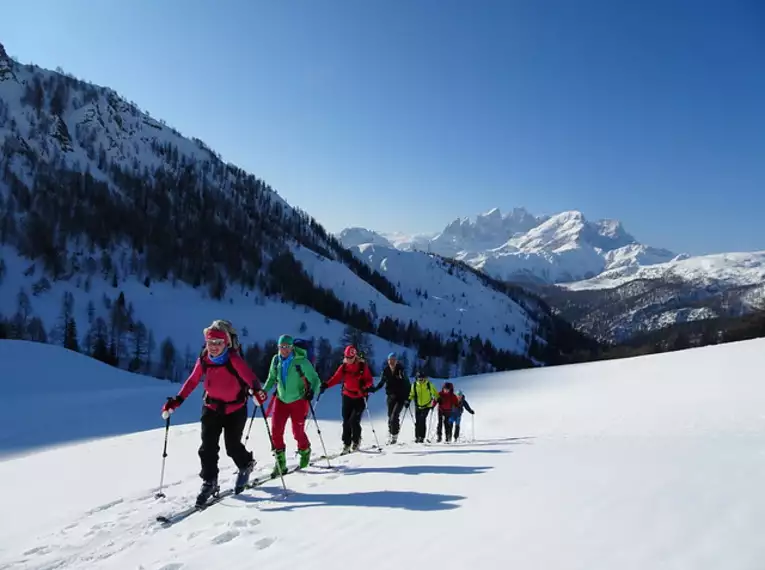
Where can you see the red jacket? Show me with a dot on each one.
(356, 381)
(447, 401)
(219, 383)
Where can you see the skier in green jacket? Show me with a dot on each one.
(296, 383)
(425, 397)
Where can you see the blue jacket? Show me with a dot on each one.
(463, 405)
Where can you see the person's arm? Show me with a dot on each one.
(336, 377)
(245, 372)
(192, 381)
(309, 374)
(273, 375)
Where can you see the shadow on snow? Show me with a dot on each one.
(407, 500)
(416, 470)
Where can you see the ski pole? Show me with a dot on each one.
(318, 429)
(472, 426)
(371, 423)
(252, 419)
(271, 439)
(166, 415)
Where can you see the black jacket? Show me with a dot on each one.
(395, 381)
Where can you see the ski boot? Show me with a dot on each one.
(346, 450)
(244, 477)
(305, 457)
(209, 489)
(281, 464)
(393, 439)
(355, 445)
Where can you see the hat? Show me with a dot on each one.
(392, 355)
(350, 351)
(217, 334)
(286, 339)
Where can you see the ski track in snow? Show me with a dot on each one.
(106, 531)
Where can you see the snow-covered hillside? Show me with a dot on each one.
(97, 198)
(619, 304)
(725, 269)
(652, 462)
(596, 274)
(519, 246)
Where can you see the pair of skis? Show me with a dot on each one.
(172, 518)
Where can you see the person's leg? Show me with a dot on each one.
(391, 407)
(347, 416)
(299, 410)
(233, 427)
(359, 406)
(212, 425)
(278, 423)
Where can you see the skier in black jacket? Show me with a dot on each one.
(397, 388)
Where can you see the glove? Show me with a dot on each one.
(260, 396)
(406, 404)
(472, 413)
(323, 388)
(308, 394)
(433, 404)
(171, 405)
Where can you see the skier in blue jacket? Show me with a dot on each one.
(456, 415)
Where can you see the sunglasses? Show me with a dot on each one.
(283, 346)
(214, 342)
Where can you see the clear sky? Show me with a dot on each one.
(406, 114)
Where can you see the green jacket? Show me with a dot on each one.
(425, 393)
(290, 386)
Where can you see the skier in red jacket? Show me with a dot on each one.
(228, 381)
(447, 403)
(357, 381)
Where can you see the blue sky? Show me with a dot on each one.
(406, 114)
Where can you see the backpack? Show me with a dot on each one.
(307, 345)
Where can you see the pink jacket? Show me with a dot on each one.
(220, 384)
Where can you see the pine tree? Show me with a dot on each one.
(167, 358)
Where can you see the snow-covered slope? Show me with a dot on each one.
(633, 288)
(726, 269)
(97, 198)
(621, 303)
(519, 246)
(651, 462)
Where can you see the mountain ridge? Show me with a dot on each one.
(520, 246)
(97, 196)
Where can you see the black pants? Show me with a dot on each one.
(421, 423)
(395, 405)
(232, 426)
(443, 418)
(353, 408)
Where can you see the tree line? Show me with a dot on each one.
(184, 218)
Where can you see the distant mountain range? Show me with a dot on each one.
(519, 246)
(594, 272)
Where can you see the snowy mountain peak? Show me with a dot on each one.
(6, 65)
(521, 246)
(354, 237)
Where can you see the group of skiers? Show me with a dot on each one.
(229, 381)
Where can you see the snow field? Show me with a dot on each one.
(651, 462)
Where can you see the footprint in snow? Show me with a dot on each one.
(244, 523)
(264, 542)
(173, 566)
(225, 537)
